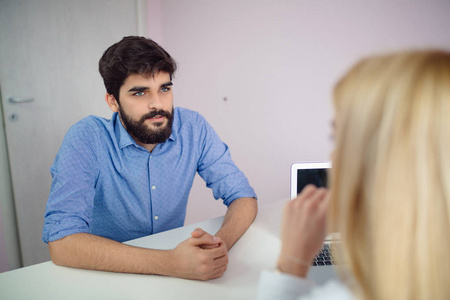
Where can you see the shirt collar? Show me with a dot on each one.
(124, 139)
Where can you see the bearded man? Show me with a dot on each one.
(130, 176)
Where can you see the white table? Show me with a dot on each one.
(256, 250)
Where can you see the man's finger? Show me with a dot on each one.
(206, 239)
(217, 252)
(198, 232)
(218, 272)
(209, 246)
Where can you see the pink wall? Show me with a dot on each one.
(276, 61)
(154, 10)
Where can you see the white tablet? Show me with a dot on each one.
(304, 173)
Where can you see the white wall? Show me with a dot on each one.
(276, 63)
(9, 243)
(50, 51)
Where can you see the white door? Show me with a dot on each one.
(49, 52)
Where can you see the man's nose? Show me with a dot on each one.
(155, 102)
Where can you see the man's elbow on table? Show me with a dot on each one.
(56, 252)
(64, 251)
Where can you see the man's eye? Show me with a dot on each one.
(165, 89)
(139, 94)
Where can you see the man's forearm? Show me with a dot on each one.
(87, 251)
(187, 260)
(238, 218)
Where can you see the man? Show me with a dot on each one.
(124, 178)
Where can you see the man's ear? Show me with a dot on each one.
(112, 102)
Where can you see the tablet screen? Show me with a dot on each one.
(303, 174)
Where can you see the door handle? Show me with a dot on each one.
(20, 99)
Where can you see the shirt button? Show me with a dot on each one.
(156, 218)
(153, 187)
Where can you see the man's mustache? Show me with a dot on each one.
(155, 113)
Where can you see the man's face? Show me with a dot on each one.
(146, 107)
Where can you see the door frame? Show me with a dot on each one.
(9, 245)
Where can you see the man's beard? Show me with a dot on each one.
(142, 132)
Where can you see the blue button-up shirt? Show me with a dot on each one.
(104, 183)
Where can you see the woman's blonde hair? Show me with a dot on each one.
(390, 180)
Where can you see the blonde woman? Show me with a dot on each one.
(390, 188)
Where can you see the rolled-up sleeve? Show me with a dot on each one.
(276, 285)
(217, 168)
(74, 173)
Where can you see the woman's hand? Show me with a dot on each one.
(303, 230)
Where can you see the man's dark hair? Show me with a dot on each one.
(133, 55)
